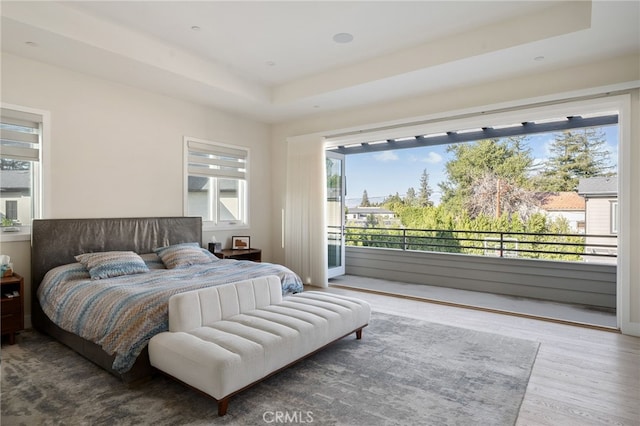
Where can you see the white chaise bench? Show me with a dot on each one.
(223, 339)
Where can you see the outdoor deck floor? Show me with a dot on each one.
(581, 314)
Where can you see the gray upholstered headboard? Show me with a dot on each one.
(55, 242)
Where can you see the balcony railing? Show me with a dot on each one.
(569, 247)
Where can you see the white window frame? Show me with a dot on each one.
(40, 197)
(613, 211)
(214, 223)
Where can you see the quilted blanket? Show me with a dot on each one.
(121, 314)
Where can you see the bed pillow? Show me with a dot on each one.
(112, 264)
(185, 254)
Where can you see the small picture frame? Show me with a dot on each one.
(240, 243)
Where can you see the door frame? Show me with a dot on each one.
(340, 269)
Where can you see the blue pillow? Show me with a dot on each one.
(112, 264)
(183, 255)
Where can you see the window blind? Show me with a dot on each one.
(19, 135)
(219, 161)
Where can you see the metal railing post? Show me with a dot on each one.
(404, 239)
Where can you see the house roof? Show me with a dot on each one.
(601, 186)
(561, 201)
(12, 180)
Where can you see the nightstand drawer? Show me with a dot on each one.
(11, 306)
(10, 322)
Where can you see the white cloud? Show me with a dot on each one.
(547, 147)
(432, 158)
(386, 156)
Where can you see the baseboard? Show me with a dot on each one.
(630, 328)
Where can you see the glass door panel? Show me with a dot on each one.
(335, 214)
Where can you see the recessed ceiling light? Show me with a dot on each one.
(31, 43)
(343, 38)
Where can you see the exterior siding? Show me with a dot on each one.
(598, 222)
(598, 218)
(569, 282)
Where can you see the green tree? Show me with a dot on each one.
(424, 195)
(474, 164)
(391, 200)
(410, 198)
(7, 164)
(365, 200)
(434, 228)
(333, 176)
(372, 221)
(575, 154)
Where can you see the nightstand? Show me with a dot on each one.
(12, 306)
(253, 254)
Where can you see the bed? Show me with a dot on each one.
(113, 329)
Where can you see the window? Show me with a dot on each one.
(20, 159)
(614, 217)
(11, 209)
(216, 183)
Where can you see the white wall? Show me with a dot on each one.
(117, 151)
(568, 82)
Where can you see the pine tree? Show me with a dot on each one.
(393, 202)
(365, 200)
(424, 196)
(410, 197)
(575, 154)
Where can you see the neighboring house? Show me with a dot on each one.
(15, 195)
(358, 216)
(601, 215)
(567, 205)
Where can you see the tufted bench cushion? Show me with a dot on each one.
(223, 339)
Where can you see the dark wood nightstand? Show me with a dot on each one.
(253, 254)
(12, 306)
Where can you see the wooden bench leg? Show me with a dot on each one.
(359, 334)
(223, 404)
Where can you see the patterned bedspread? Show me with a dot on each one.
(121, 314)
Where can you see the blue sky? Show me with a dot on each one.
(387, 172)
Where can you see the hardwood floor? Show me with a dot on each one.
(581, 376)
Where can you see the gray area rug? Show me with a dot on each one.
(403, 372)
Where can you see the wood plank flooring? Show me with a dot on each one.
(581, 376)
